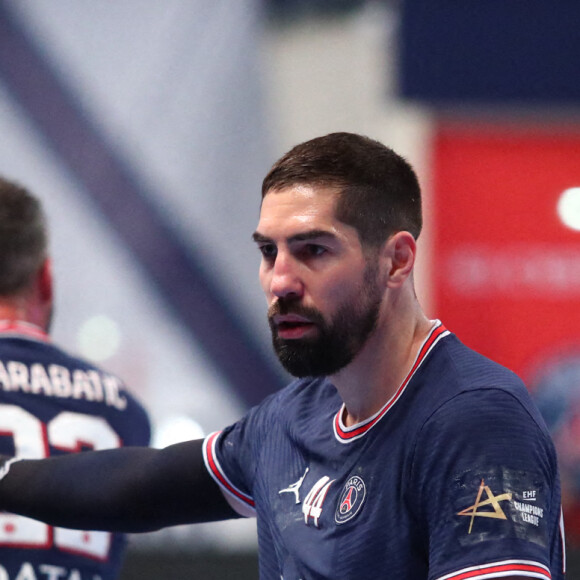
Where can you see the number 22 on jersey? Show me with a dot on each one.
(66, 431)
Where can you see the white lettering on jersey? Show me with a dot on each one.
(54, 572)
(45, 572)
(312, 507)
(58, 381)
(26, 572)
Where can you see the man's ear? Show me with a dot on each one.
(400, 251)
(45, 288)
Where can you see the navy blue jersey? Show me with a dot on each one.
(454, 478)
(52, 403)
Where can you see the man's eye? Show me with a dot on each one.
(314, 250)
(268, 250)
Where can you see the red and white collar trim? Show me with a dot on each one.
(22, 330)
(347, 434)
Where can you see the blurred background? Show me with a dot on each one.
(146, 128)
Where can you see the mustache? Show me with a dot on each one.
(284, 306)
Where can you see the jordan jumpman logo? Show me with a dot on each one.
(295, 487)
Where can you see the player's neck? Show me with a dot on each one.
(13, 311)
(19, 309)
(379, 369)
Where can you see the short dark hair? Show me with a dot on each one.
(23, 237)
(378, 191)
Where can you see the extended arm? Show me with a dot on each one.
(131, 489)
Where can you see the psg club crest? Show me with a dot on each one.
(351, 500)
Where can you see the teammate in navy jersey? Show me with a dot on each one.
(397, 453)
(51, 403)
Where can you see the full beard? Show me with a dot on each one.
(338, 341)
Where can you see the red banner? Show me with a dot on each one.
(506, 270)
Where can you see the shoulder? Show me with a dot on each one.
(458, 376)
(469, 368)
(478, 429)
(495, 408)
(467, 396)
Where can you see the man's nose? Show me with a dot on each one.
(285, 277)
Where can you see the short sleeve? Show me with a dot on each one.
(484, 486)
(231, 456)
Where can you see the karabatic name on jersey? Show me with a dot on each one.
(454, 478)
(52, 403)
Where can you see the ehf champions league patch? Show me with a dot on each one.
(500, 505)
(350, 500)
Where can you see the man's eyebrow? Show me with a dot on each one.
(300, 237)
(311, 235)
(258, 237)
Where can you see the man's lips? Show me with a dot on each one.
(292, 326)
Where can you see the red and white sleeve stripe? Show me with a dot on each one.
(241, 502)
(504, 569)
